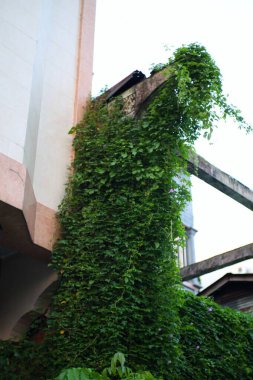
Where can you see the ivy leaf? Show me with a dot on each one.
(100, 170)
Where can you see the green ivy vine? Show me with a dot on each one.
(120, 218)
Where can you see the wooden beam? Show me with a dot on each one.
(217, 262)
(228, 185)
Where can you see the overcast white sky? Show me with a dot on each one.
(131, 35)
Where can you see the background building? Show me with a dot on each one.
(232, 290)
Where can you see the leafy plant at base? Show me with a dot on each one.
(114, 372)
(120, 219)
(79, 374)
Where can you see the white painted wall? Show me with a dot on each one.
(55, 79)
(46, 54)
(18, 26)
(38, 72)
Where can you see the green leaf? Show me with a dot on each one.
(100, 170)
(77, 374)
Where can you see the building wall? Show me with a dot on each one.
(187, 215)
(46, 54)
(18, 44)
(46, 51)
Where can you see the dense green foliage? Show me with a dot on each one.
(120, 220)
(119, 288)
(217, 343)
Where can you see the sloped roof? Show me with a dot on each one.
(229, 278)
(126, 83)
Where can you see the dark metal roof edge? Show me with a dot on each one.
(228, 277)
(132, 79)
